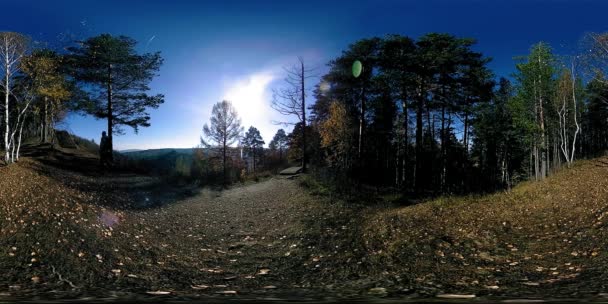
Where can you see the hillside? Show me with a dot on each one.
(69, 234)
(156, 153)
(542, 238)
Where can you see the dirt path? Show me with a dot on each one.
(124, 236)
(239, 238)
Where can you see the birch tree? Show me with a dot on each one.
(566, 100)
(13, 47)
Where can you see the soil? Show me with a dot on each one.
(71, 231)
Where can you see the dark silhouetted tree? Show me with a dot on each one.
(279, 142)
(116, 79)
(254, 143)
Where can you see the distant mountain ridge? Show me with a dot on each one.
(150, 153)
(130, 150)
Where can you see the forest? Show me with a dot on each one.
(262, 159)
(423, 116)
(428, 117)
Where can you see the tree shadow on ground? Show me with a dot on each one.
(118, 189)
(600, 163)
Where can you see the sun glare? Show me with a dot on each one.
(251, 97)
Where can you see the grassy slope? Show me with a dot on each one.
(544, 237)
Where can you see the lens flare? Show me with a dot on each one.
(109, 218)
(357, 68)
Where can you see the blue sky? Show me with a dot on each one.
(236, 49)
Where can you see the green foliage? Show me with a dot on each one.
(279, 142)
(437, 76)
(111, 71)
(294, 153)
(314, 186)
(254, 143)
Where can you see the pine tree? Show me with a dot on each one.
(254, 142)
(117, 79)
(279, 142)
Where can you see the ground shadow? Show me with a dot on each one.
(600, 163)
(119, 189)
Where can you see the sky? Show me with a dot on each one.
(236, 50)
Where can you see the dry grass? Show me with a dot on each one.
(545, 237)
(66, 234)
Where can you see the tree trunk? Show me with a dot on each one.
(405, 139)
(443, 147)
(418, 180)
(361, 122)
(543, 147)
(20, 133)
(45, 125)
(466, 134)
(110, 118)
(575, 115)
(224, 161)
(253, 153)
(6, 111)
(303, 118)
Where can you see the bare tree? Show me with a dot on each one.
(566, 91)
(291, 99)
(595, 55)
(224, 130)
(13, 47)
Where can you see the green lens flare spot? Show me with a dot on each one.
(357, 68)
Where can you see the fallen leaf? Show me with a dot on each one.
(263, 271)
(455, 296)
(158, 292)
